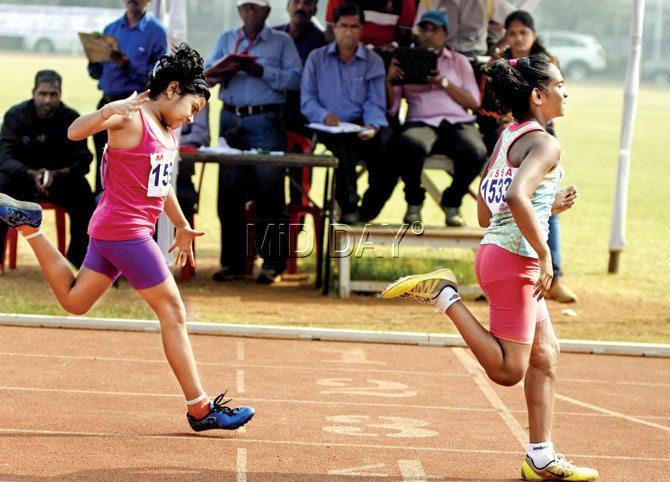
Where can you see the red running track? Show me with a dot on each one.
(94, 405)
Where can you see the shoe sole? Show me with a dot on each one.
(527, 473)
(406, 283)
(10, 202)
(224, 428)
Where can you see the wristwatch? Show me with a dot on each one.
(444, 82)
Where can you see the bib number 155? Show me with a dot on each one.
(161, 174)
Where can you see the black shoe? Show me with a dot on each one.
(453, 218)
(351, 219)
(227, 274)
(268, 277)
(413, 214)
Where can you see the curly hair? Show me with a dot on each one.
(512, 83)
(184, 66)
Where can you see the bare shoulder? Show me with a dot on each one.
(541, 142)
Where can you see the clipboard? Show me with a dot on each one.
(227, 67)
(98, 48)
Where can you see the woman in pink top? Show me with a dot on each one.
(136, 171)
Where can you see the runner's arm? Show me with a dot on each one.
(173, 210)
(112, 116)
(541, 159)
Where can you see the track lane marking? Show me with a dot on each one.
(230, 365)
(612, 413)
(241, 464)
(307, 402)
(473, 369)
(211, 439)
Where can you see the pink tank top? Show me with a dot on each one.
(136, 182)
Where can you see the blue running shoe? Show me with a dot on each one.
(221, 416)
(19, 213)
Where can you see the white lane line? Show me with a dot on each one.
(240, 351)
(239, 381)
(233, 365)
(614, 382)
(612, 413)
(304, 402)
(214, 439)
(412, 470)
(241, 465)
(473, 368)
(248, 399)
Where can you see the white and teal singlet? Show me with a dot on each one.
(503, 230)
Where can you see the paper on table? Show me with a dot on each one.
(343, 128)
(222, 147)
(98, 48)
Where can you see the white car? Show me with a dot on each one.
(579, 55)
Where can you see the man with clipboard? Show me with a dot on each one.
(255, 65)
(142, 40)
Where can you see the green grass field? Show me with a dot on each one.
(589, 134)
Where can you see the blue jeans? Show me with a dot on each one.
(554, 242)
(261, 183)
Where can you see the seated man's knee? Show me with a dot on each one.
(407, 146)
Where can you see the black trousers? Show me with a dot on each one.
(350, 151)
(100, 139)
(462, 142)
(264, 184)
(72, 192)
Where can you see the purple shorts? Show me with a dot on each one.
(140, 260)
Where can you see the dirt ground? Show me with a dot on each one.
(294, 303)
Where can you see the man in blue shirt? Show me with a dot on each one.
(344, 81)
(307, 37)
(253, 95)
(142, 40)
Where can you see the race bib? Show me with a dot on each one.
(494, 189)
(161, 173)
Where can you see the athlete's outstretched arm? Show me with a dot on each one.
(110, 116)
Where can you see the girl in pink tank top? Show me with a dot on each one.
(136, 171)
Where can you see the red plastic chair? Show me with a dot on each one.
(297, 212)
(11, 241)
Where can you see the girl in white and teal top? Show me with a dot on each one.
(518, 193)
(503, 230)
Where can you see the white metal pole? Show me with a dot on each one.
(618, 230)
(176, 32)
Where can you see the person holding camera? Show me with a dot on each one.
(39, 163)
(438, 120)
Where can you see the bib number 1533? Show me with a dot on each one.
(161, 174)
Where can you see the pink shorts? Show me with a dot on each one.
(508, 281)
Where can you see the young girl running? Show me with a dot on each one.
(136, 171)
(518, 193)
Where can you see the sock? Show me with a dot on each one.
(542, 453)
(198, 408)
(447, 297)
(28, 232)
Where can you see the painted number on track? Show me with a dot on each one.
(371, 388)
(379, 426)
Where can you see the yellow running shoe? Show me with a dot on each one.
(421, 287)
(558, 469)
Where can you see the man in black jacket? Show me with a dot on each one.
(39, 163)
